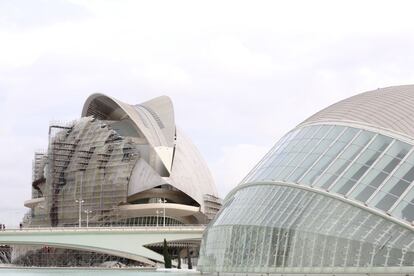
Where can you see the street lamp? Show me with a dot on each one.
(80, 201)
(158, 213)
(163, 201)
(87, 212)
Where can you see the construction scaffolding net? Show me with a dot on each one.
(86, 169)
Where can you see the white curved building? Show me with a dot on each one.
(334, 195)
(124, 165)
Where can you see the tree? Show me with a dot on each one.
(167, 256)
(179, 260)
(190, 265)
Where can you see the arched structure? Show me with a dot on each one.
(130, 243)
(121, 165)
(124, 163)
(334, 195)
(178, 162)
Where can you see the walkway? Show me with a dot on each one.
(127, 242)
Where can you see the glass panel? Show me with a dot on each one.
(310, 145)
(335, 149)
(351, 152)
(363, 138)
(375, 179)
(409, 175)
(302, 133)
(328, 178)
(307, 230)
(405, 211)
(410, 196)
(309, 160)
(312, 130)
(403, 169)
(296, 175)
(323, 145)
(343, 185)
(410, 159)
(390, 192)
(334, 132)
(380, 143)
(359, 172)
(323, 161)
(340, 164)
(322, 132)
(368, 157)
(276, 155)
(311, 151)
(388, 163)
(397, 189)
(348, 135)
(383, 201)
(363, 193)
(376, 176)
(351, 176)
(399, 149)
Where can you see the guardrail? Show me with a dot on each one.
(106, 229)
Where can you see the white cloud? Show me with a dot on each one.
(229, 55)
(16, 50)
(165, 75)
(240, 73)
(234, 164)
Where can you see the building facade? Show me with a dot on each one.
(124, 165)
(334, 195)
(121, 165)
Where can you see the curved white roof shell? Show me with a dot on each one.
(390, 108)
(154, 122)
(157, 127)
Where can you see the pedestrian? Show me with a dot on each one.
(21, 226)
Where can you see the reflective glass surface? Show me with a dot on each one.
(361, 165)
(268, 228)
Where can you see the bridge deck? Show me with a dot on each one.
(106, 229)
(127, 242)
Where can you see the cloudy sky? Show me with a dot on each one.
(240, 73)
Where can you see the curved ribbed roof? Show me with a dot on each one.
(390, 108)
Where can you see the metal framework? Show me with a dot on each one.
(120, 165)
(334, 195)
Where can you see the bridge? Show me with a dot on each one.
(126, 242)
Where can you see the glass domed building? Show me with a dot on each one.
(334, 195)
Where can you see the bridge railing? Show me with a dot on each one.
(109, 228)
